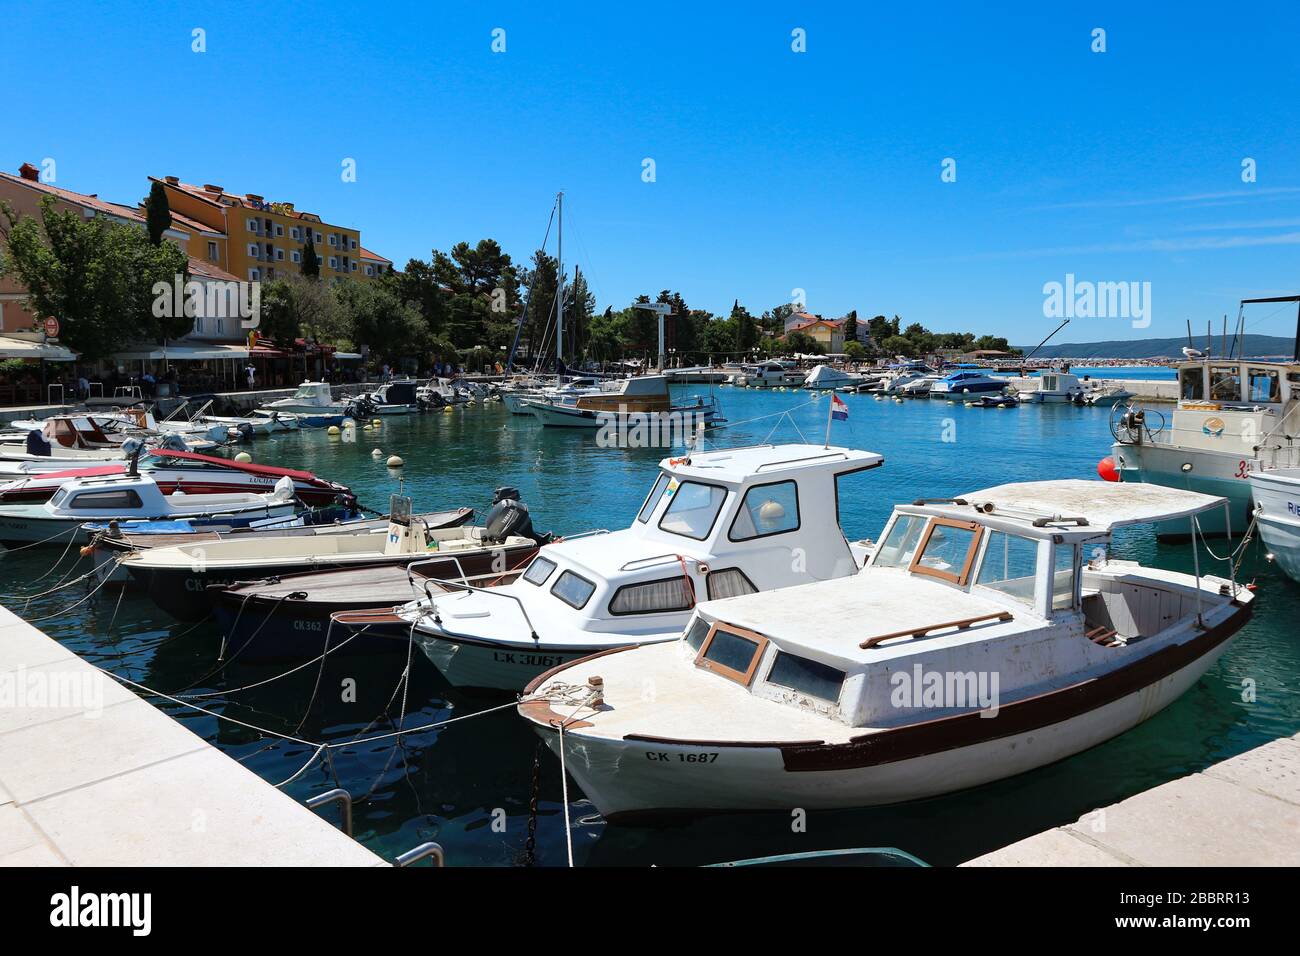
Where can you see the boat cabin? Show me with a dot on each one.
(1011, 585)
(311, 393)
(714, 524)
(138, 495)
(1236, 405)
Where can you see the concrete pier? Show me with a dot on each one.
(1244, 811)
(92, 775)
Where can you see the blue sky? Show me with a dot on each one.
(775, 170)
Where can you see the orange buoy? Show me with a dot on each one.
(1106, 468)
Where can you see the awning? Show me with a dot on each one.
(1106, 505)
(11, 348)
(352, 356)
(183, 353)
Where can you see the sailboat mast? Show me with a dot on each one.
(559, 287)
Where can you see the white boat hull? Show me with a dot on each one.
(1277, 509)
(1212, 473)
(630, 778)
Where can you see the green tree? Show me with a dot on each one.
(158, 213)
(310, 265)
(97, 276)
(854, 351)
(279, 318)
(801, 343)
(719, 338)
(851, 327)
(373, 317)
(746, 327)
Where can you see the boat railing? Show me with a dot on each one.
(961, 625)
(410, 568)
(639, 563)
(491, 592)
(585, 534)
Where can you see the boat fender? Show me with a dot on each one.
(395, 461)
(1107, 470)
(243, 456)
(377, 453)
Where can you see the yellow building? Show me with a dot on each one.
(255, 239)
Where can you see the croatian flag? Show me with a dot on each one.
(839, 411)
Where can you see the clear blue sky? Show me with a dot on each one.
(775, 170)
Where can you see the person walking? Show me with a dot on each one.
(249, 373)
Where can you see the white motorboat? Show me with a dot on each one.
(313, 405)
(630, 403)
(989, 635)
(1101, 392)
(828, 376)
(714, 524)
(1054, 386)
(515, 400)
(262, 423)
(125, 497)
(772, 374)
(914, 386)
(1277, 510)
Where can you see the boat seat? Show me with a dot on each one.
(1103, 635)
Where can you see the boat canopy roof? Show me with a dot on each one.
(766, 463)
(1089, 506)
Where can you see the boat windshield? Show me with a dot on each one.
(693, 509)
(652, 499)
(900, 544)
(305, 392)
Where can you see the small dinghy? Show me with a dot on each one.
(988, 636)
(185, 579)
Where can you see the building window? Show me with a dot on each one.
(352, 243)
(333, 240)
(296, 256)
(254, 275)
(370, 270)
(318, 237)
(212, 251)
(253, 225)
(334, 262)
(279, 255)
(279, 229)
(254, 249)
(296, 233)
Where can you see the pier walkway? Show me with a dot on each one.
(1244, 811)
(92, 775)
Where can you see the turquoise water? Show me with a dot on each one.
(1143, 373)
(468, 785)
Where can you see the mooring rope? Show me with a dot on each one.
(70, 607)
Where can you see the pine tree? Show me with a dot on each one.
(158, 213)
(310, 261)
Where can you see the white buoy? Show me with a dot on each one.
(376, 422)
(332, 431)
(243, 456)
(377, 453)
(395, 461)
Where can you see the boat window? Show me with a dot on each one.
(693, 509)
(732, 652)
(698, 632)
(728, 582)
(1264, 385)
(1063, 574)
(651, 597)
(1225, 383)
(1009, 565)
(947, 550)
(767, 510)
(124, 498)
(573, 589)
(652, 499)
(900, 544)
(539, 571)
(1192, 383)
(807, 677)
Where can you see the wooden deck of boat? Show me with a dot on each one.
(1244, 811)
(92, 775)
(385, 584)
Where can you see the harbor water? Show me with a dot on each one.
(469, 785)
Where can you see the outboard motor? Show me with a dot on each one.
(173, 442)
(509, 516)
(244, 431)
(38, 444)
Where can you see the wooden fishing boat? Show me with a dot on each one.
(989, 635)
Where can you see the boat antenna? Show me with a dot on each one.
(1225, 333)
(1190, 344)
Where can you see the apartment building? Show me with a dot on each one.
(256, 239)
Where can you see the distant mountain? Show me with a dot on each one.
(1251, 345)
